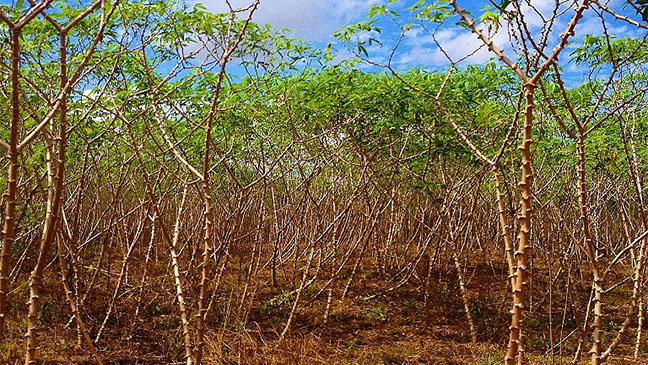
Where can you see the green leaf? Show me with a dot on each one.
(363, 50)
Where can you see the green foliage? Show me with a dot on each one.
(436, 11)
(376, 312)
(278, 304)
(598, 50)
(641, 8)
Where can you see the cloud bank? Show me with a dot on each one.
(312, 20)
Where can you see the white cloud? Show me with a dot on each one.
(316, 20)
(539, 11)
(312, 20)
(419, 47)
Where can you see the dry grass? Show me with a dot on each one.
(391, 329)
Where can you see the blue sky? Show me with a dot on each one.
(316, 20)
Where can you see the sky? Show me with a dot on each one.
(312, 20)
(316, 20)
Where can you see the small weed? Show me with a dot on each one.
(155, 309)
(411, 303)
(489, 356)
(395, 355)
(278, 303)
(376, 312)
(169, 322)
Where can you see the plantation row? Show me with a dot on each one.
(187, 186)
